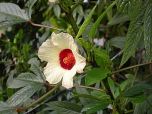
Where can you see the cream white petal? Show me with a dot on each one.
(64, 41)
(53, 73)
(53, 1)
(48, 52)
(80, 62)
(67, 80)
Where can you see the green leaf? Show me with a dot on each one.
(138, 99)
(113, 88)
(5, 107)
(77, 10)
(95, 106)
(9, 112)
(148, 31)
(66, 4)
(78, 14)
(97, 23)
(30, 4)
(14, 83)
(124, 5)
(87, 96)
(134, 35)
(37, 71)
(30, 77)
(23, 95)
(11, 14)
(135, 10)
(95, 95)
(130, 7)
(18, 37)
(86, 22)
(137, 89)
(135, 31)
(64, 107)
(117, 19)
(125, 84)
(25, 51)
(117, 42)
(87, 45)
(83, 91)
(102, 58)
(96, 75)
(35, 61)
(102, 95)
(57, 10)
(79, 19)
(144, 107)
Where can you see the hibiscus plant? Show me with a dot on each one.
(76, 56)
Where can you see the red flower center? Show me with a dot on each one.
(67, 59)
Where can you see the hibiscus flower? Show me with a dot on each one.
(64, 61)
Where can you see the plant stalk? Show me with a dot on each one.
(88, 87)
(44, 26)
(134, 66)
(72, 22)
(42, 98)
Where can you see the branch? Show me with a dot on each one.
(134, 66)
(69, 16)
(41, 99)
(72, 22)
(44, 26)
(46, 101)
(88, 87)
(118, 54)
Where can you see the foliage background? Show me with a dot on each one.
(117, 78)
